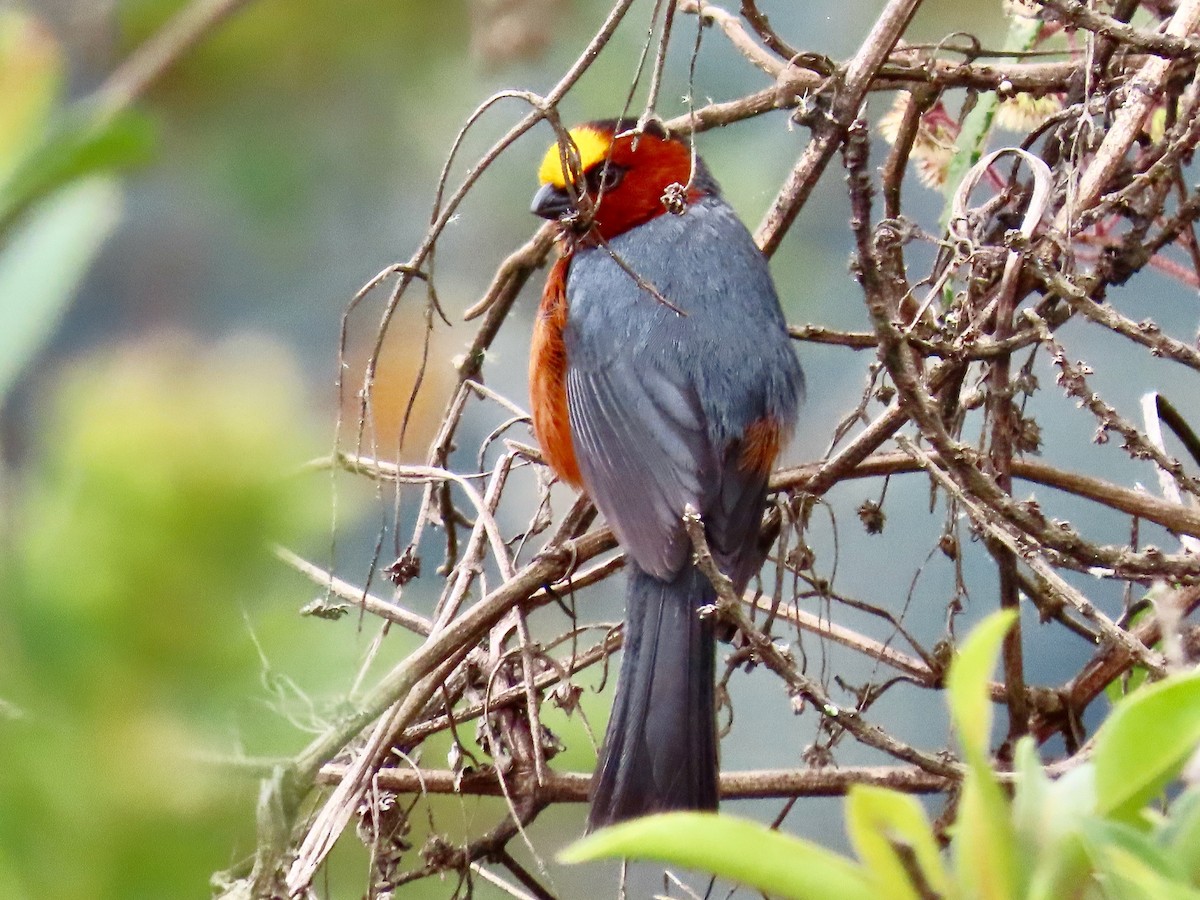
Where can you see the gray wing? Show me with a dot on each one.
(643, 451)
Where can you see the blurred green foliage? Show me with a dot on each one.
(56, 210)
(45, 142)
(138, 553)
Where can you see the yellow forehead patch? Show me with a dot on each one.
(593, 146)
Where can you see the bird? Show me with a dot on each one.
(661, 377)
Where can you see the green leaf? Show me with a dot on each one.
(1145, 743)
(1129, 866)
(1181, 834)
(1124, 876)
(969, 148)
(885, 824)
(967, 684)
(1032, 794)
(1047, 816)
(984, 839)
(732, 848)
(1059, 870)
(1119, 688)
(41, 267)
(1043, 810)
(80, 144)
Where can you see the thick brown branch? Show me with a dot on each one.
(572, 787)
(1082, 16)
(831, 128)
(1177, 518)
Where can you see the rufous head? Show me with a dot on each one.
(615, 178)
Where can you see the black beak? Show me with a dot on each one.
(551, 202)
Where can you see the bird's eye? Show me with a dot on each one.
(605, 178)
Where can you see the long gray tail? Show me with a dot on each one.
(660, 751)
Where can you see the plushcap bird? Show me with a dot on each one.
(661, 376)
